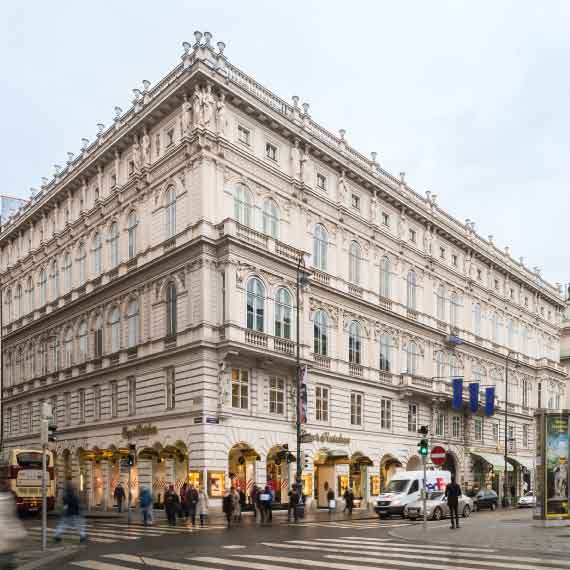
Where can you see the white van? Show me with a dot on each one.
(405, 487)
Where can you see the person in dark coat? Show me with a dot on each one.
(119, 496)
(254, 497)
(171, 505)
(330, 499)
(228, 505)
(192, 498)
(293, 502)
(71, 515)
(452, 494)
(348, 500)
(267, 504)
(183, 501)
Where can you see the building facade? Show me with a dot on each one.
(148, 293)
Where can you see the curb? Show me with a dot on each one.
(63, 554)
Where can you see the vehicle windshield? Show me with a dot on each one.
(436, 495)
(30, 459)
(398, 486)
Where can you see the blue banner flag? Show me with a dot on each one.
(474, 396)
(457, 402)
(490, 401)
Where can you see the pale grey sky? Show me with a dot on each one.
(470, 99)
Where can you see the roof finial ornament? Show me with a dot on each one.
(207, 39)
(221, 47)
(305, 108)
(56, 168)
(198, 37)
(33, 191)
(507, 250)
(45, 181)
(373, 156)
(100, 129)
(70, 157)
(118, 112)
(473, 227)
(137, 93)
(295, 99)
(521, 260)
(428, 196)
(186, 46)
(342, 133)
(84, 143)
(490, 238)
(146, 84)
(433, 199)
(403, 177)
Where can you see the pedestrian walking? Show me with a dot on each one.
(348, 501)
(145, 501)
(228, 505)
(331, 501)
(71, 515)
(171, 505)
(266, 500)
(293, 502)
(13, 533)
(202, 506)
(254, 497)
(192, 503)
(183, 501)
(452, 494)
(119, 496)
(242, 502)
(236, 506)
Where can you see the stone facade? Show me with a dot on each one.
(149, 294)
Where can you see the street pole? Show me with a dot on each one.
(129, 498)
(298, 476)
(44, 495)
(505, 482)
(424, 491)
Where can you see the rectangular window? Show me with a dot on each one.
(157, 144)
(385, 219)
(169, 137)
(244, 135)
(539, 395)
(356, 409)
(440, 424)
(496, 284)
(355, 201)
(31, 417)
(170, 388)
(132, 387)
(81, 403)
(412, 234)
(8, 420)
(67, 408)
(240, 389)
(525, 391)
(478, 429)
(442, 252)
(114, 399)
(276, 396)
(497, 433)
(511, 442)
(525, 435)
(412, 418)
(454, 260)
(321, 404)
(456, 427)
(512, 293)
(386, 414)
(97, 402)
(321, 181)
(479, 275)
(526, 301)
(271, 151)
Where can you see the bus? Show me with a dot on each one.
(21, 474)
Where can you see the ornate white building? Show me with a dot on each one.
(148, 292)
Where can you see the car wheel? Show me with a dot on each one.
(493, 506)
(437, 514)
(466, 511)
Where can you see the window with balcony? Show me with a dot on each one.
(320, 335)
(243, 205)
(171, 310)
(276, 396)
(454, 310)
(356, 408)
(385, 279)
(132, 225)
(67, 267)
(43, 288)
(97, 247)
(54, 280)
(81, 262)
(385, 353)
(411, 283)
(385, 413)
(354, 261)
(68, 348)
(170, 388)
(412, 417)
(440, 368)
(456, 422)
(283, 313)
(478, 427)
(170, 213)
(320, 245)
(354, 343)
(321, 404)
(412, 358)
(29, 295)
(83, 342)
(114, 245)
(115, 322)
(270, 218)
(98, 337)
(240, 389)
(440, 424)
(133, 322)
(255, 303)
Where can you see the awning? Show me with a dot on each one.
(494, 459)
(362, 459)
(527, 462)
(332, 456)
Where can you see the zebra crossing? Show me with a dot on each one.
(113, 532)
(344, 553)
(365, 524)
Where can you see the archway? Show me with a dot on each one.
(389, 466)
(241, 466)
(325, 472)
(414, 464)
(279, 460)
(358, 475)
(450, 464)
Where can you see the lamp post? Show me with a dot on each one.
(302, 280)
(505, 478)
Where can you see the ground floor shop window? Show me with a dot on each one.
(375, 485)
(308, 485)
(216, 483)
(196, 478)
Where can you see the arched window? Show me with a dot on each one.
(495, 328)
(132, 224)
(8, 369)
(30, 295)
(19, 302)
(243, 205)
(81, 260)
(255, 304)
(454, 310)
(83, 342)
(512, 335)
(477, 319)
(320, 333)
(67, 273)
(412, 358)
(43, 287)
(115, 322)
(440, 303)
(43, 358)
(98, 337)
(385, 289)
(114, 245)
(21, 365)
(170, 213)
(283, 311)
(354, 343)
(454, 366)
(354, 256)
(9, 307)
(133, 323)
(270, 218)
(411, 290)
(440, 371)
(320, 243)
(97, 246)
(171, 310)
(68, 348)
(524, 341)
(385, 353)
(30, 369)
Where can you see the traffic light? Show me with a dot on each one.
(52, 428)
(306, 460)
(423, 445)
(132, 455)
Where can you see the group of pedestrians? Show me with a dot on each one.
(192, 501)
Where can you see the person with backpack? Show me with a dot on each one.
(171, 505)
(228, 505)
(145, 500)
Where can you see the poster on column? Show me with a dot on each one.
(557, 448)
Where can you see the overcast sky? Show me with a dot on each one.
(471, 100)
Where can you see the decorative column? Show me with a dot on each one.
(88, 484)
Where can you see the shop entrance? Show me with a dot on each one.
(325, 462)
(241, 462)
(358, 476)
(279, 476)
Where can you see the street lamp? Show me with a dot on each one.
(505, 501)
(302, 280)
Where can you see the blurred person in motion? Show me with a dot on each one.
(293, 503)
(146, 506)
(348, 500)
(71, 516)
(192, 502)
(171, 505)
(237, 506)
(452, 494)
(12, 531)
(202, 507)
(228, 505)
(119, 496)
(266, 499)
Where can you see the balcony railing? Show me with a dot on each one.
(385, 377)
(321, 277)
(288, 251)
(385, 303)
(355, 290)
(256, 338)
(284, 345)
(252, 236)
(412, 314)
(322, 361)
(356, 370)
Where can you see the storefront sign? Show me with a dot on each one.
(325, 437)
(139, 431)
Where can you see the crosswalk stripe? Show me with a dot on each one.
(368, 540)
(147, 561)
(250, 565)
(97, 565)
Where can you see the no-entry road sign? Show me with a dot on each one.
(437, 455)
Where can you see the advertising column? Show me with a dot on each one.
(556, 466)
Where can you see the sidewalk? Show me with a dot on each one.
(511, 529)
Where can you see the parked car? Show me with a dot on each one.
(487, 499)
(527, 500)
(437, 507)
